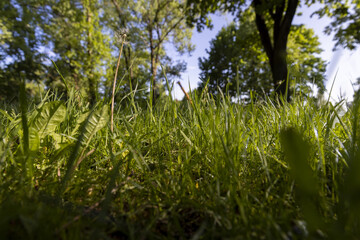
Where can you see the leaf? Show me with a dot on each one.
(34, 140)
(96, 122)
(79, 121)
(60, 140)
(49, 117)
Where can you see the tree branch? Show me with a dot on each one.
(264, 35)
(287, 20)
(161, 39)
(279, 9)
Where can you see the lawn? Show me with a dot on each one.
(206, 169)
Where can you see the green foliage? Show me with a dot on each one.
(162, 22)
(95, 121)
(274, 15)
(49, 116)
(20, 58)
(82, 50)
(208, 169)
(81, 38)
(346, 21)
(238, 55)
(305, 65)
(297, 153)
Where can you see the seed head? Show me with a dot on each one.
(122, 34)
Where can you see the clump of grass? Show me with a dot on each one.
(206, 169)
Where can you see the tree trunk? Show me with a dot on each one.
(276, 49)
(279, 72)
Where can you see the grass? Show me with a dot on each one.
(209, 169)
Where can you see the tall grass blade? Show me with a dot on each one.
(332, 86)
(167, 83)
(297, 153)
(26, 159)
(62, 78)
(114, 84)
(24, 121)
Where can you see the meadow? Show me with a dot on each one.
(206, 169)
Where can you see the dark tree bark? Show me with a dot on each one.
(276, 49)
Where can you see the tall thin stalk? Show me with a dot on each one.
(122, 37)
(186, 94)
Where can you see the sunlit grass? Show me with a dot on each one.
(203, 169)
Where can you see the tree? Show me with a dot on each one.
(20, 41)
(346, 21)
(162, 21)
(70, 29)
(237, 54)
(281, 13)
(151, 25)
(235, 63)
(117, 18)
(82, 35)
(276, 15)
(82, 50)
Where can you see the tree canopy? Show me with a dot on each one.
(345, 23)
(273, 20)
(80, 37)
(237, 62)
(82, 51)
(20, 42)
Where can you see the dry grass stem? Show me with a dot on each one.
(123, 36)
(186, 94)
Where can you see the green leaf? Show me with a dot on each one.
(49, 118)
(80, 121)
(34, 140)
(96, 122)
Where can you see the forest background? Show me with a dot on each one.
(83, 39)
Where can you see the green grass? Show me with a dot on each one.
(206, 170)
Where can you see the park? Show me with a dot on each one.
(95, 145)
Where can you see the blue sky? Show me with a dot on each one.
(342, 63)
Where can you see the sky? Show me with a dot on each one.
(343, 65)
